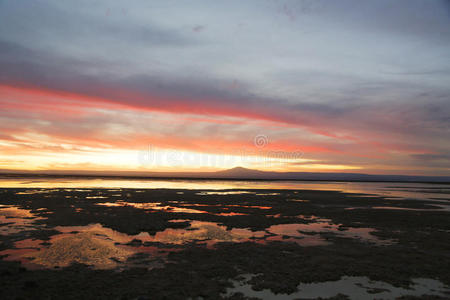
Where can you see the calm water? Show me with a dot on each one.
(360, 288)
(100, 246)
(423, 191)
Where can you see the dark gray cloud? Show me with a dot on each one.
(367, 71)
(432, 157)
(427, 116)
(414, 18)
(46, 25)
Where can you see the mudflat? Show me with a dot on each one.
(221, 244)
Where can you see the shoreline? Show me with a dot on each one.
(162, 178)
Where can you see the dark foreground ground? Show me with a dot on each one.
(326, 235)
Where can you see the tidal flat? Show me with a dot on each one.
(240, 243)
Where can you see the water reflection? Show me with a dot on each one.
(92, 245)
(237, 193)
(361, 288)
(14, 219)
(103, 247)
(226, 193)
(176, 209)
(249, 206)
(89, 247)
(86, 248)
(10, 211)
(208, 232)
(393, 190)
(32, 192)
(196, 231)
(230, 214)
(153, 206)
(440, 207)
(298, 200)
(310, 234)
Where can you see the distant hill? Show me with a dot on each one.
(240, 173)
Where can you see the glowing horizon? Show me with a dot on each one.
(299, 86)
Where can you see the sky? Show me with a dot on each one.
(306, 85)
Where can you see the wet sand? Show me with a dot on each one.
(118, 243)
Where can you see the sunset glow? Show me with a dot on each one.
(129, 89)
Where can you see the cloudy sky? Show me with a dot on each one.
(348, 86)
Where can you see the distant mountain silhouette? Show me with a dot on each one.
(244, 173)
(239, 173)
